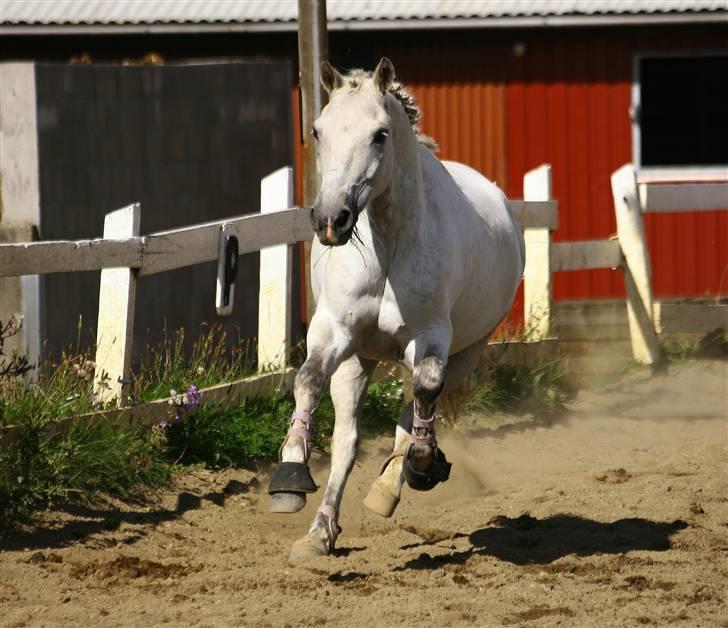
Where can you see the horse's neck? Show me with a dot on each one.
(396, 218)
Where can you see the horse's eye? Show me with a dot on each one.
(380, 137)
(315, 134)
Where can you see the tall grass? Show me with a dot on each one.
(254, 430)
(213, 359)
(38, 469)
(504, 388)
(43, 465)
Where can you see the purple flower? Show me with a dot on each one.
(95, 401)
(182, 403)
(193, 397)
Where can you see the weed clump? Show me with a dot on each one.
(254, 430)
(42, 468)
(508, 388)
(47, 462)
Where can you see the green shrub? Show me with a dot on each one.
(254, 430)
(543, 389)
(44, 465)
(40, 469)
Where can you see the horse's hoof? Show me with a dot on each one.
(381, 501)
(429, 477)
(292, 477)
(420, 456)
(287, 502)
(310, 546)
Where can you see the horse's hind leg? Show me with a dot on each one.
(348, 390)
(385, 492)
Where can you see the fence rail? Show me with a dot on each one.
(627, 252)
(123, 255)
(156, 252)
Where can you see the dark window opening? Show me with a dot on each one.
(684, 111)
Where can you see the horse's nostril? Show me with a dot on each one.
(342, 220)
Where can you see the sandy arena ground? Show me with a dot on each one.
(613, 514)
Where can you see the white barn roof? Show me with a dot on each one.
(151, 15)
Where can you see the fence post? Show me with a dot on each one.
(20, 192)
(115, 329)
(537, 295)
(274, 302)
(631, 234)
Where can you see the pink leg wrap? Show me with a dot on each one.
(428, 424)
(332, 525)
(302, 432)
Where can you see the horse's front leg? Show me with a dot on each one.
(328, 346)
(348, 390)
(385, 492)
(424, 464)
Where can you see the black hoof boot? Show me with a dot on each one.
(288, 487)
(429, 477)
(292, 477)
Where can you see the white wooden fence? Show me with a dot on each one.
(122, 255)
(627, 252)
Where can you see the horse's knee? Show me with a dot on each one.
(428, 380)
(310, 378)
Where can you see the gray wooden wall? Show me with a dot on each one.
(191, 143)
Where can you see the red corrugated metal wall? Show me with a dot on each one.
(467, 119)
(565, 101)
(568, 102)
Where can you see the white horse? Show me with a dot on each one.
(417, 261)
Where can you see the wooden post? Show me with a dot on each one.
(312, 50)
(274, 303)
(537, 293)
(631, 234)
(20, 193)
(115, 329)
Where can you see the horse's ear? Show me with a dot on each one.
(384, 75)
(330, 78)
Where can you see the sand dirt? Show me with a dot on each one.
(614, 513)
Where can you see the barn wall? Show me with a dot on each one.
(568, 100)
(507, 101)
(178, 139)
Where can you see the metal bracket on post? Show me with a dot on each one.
(227, 269)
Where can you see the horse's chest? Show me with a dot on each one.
(390, 320)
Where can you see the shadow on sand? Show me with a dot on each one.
(85, 521)
(526, 540)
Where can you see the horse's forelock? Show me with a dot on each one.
(355, 79)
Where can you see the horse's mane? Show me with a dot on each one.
(354, 80)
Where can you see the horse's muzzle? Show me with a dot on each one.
(333, 231)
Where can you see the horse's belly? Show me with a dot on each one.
(470, 326)
(484, 302)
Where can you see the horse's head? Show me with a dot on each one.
(353, 149)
